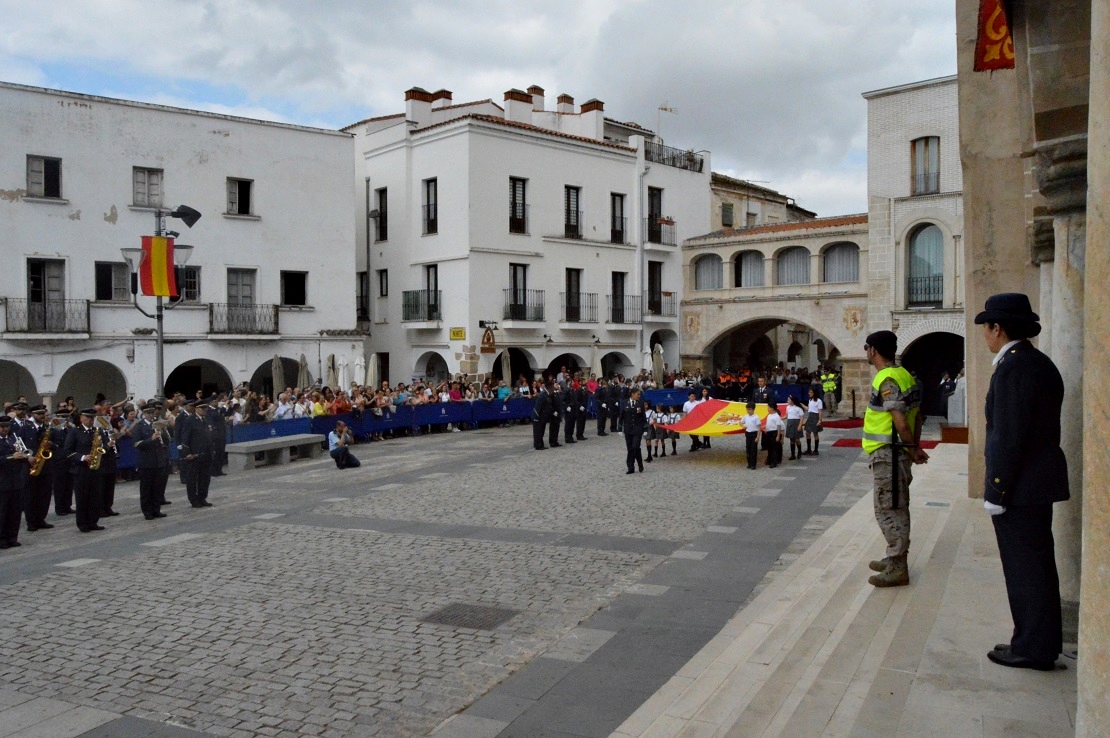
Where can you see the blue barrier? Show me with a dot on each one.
(500, 410)
(128, 456)
(259, 431)
(669, 397)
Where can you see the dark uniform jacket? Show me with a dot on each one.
(568, 403)
(762, 394)
(152, 447)
(601, 397)
(78, 444)
(632, 418)
(542, 407)
(582, 398)
(1025, 464)
(11, 470)
(57, 460)
(196, 438)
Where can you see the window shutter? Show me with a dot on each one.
(232, 196)
(139, 195)
(154, 187)
(36, 178)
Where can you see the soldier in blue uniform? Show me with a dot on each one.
(12, 464)
(196, 446)
(152, 447)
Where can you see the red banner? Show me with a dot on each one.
(156, 271)
(994, 44)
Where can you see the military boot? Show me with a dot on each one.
(880, 565)
(896, 574)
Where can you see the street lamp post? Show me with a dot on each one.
(181, 253)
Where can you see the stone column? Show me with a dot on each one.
(855, 375)
(1093, 711)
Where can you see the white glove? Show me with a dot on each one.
(993, 509)
(581, 409)
(604, 405)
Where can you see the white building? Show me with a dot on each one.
(270, 274)
(560, 226)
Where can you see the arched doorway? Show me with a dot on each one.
(262, 381)
(199, 374)
(929, 357)
(85, 379)
(765, 343)
(431, 367)
(518, 365)
(614, 363)
(793, 353)
(668, 339)
(572, 362)
(16, 381)
(761, 354)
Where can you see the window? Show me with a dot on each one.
(748, 269)
(44, 177)
(842, 263)
(925, 165)
(383, 283)
(572, 218)
(925, 271)
(655, 287)
(239, 196)
(655, 212)
(726, 215)
(362, 296)
(188, 285)
(707, 272)
(617, 302)
(294, 288)
(518, 205)
(431, 212)
(46, 295)
(751, 220)
(431, 288)
(573, 296)
(616, 215)
(240, 287)
(147, 187)
(382, 197)
(113, 281)
(793, 266)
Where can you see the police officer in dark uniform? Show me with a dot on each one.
(217, 418)
(58, 466)
(569, 402)
(12, 463)
(633, 424)
(36, 489)
(86, 481)
(109, 467)
(624, 392)
(601, 400)
(582, 398)
(553, 422)
(152, 447)
(195, 447)
(541, 416)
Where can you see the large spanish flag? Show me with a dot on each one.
(156, 271)
(718, 418)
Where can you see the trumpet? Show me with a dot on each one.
(21, 447)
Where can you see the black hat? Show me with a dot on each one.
(5, 420)
(89, 412)
(151, 407)
(1010, 307)
(885, 342)
(38, 409)
(191, 402)
(19, 405)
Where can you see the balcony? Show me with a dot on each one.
(660, 306)
(660, 154)
(524, 306)
(624, 311)
(430, 218)
(50, 316)
(618, 230)
(422, 308)
(661, 230)
(236, 319)
(578, 307)
(927, 183)
(572, 224)
(518, 217)
(922, 292)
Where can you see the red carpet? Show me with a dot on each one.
(856, 443)
(849, 423)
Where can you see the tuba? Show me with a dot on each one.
(42, 455)
(96, 452)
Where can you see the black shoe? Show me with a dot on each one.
(569, 440)
(556, 445)
(45, 526)
(630, 471)
(110, 514)
(63, 512)
(648, 459)
(196, 504)
(32, 528)
(816, 453)
(159, 515)
(85, 530)
(580, 438)
(539, 448)
(148, 516)
(206, 503)
(165, 502)
(1009, 658)
(14, 544)
(641, 468)
(97, 527)
(8, 545)
(602, 433)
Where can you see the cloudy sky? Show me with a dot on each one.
(770, 87)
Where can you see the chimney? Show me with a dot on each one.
(593, 119)
(537, 98)
(518, 106)
(566, 104)
(441, 99)
(418, 105)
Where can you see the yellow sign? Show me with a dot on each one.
(458, 334)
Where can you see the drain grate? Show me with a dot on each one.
(476, 617)
(937, 504)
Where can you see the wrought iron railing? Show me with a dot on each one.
(672, 157)
(572, 223)
(925, 291)
(523, 305)
(244, 319)
(658, 229)
(624, 309)
(431, 218)
(50, 316)
(421, 305)
(578, 307)
(662, 304)
(926, 184)
(617, 229)
(518, 217)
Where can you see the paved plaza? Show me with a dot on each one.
(299, 604)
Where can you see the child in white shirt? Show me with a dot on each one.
(752, 425)
(773, 430)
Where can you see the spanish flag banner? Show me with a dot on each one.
(994, 44)
(718, 418)
(156, 272)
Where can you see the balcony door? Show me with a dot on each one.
(655, 212)
(46, 297)
(617, 296)
(655, 287)
(431, 289)
(518, 295)
(240, 301)
(574, 295)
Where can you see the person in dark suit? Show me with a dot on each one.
(38, 489)
(86, 482)
(633, 425)
(12, 463)
(601, 399)
(1026, 472)
(553, 418)
(196, 446)
(568, 403)
(541, 416)
(152, 448)
(582, 400)
(57, 468)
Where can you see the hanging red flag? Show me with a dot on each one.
(156, 272)
(994, 43)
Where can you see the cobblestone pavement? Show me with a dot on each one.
(308, 622)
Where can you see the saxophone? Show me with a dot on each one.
(96, 451)
(42, 455)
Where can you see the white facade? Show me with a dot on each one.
(276, 240)
(513, 271)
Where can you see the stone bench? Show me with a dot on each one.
(241, 456)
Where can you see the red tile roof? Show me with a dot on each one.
(527, 127)
(373, 120)
(831, 222)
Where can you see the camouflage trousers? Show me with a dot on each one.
(893, 521)
(829, 402)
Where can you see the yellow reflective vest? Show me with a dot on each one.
(828, 382)
(878, 423)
